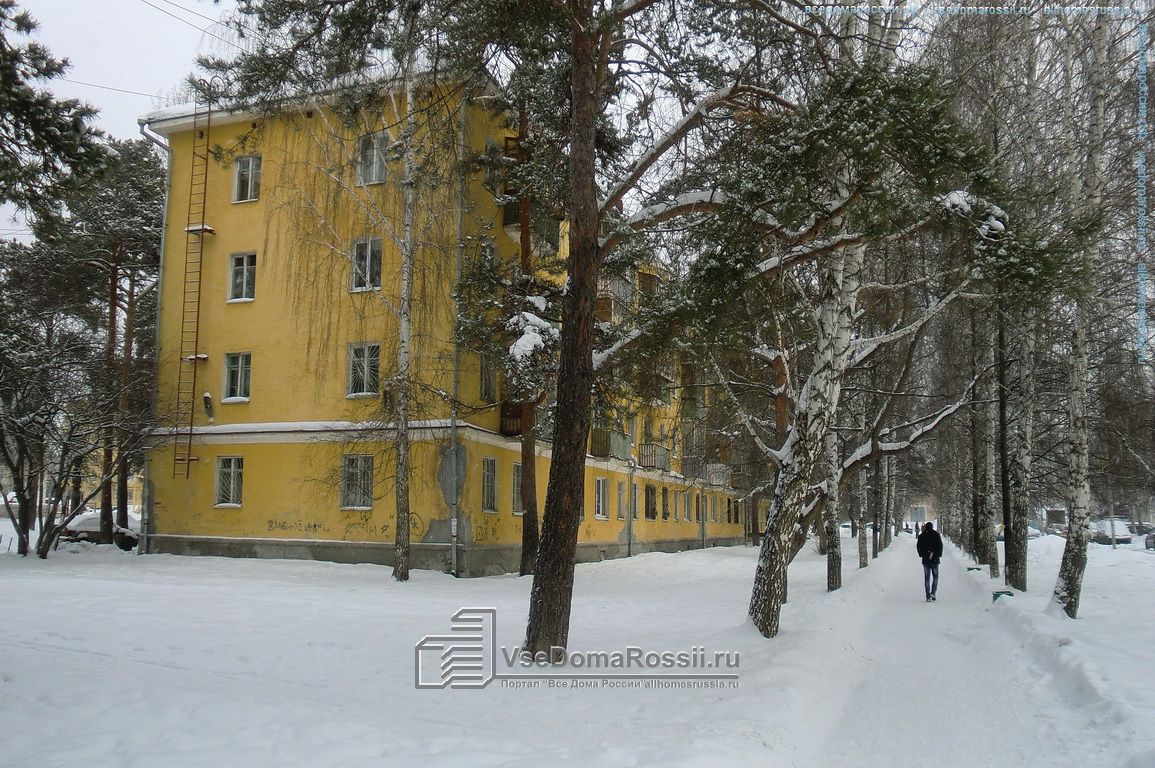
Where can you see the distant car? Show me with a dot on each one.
(86, 526)
(1101, 532)
(1141, 529)
(1032, 532)
(1149, 542)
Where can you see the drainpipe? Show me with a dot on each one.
(453, 510)
(146, 502)
(702, 520)
(633, 465)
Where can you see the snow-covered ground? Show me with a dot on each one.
(110, 659)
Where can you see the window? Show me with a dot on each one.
(621, 500)
(518, 509)
(230, 472)
(647, 283)
(487, 383)
(493, 174)
(243, 276)
(238, 368)
(665, 503)
(729, 510)
(714, 508)
(372, 151)
(651, 503)
(634, 500)
(366, 272)
(698, 508)
(364, 369)
(247, 184)
(601, 498)
(489, 485)
(356, 482)
(686, 504)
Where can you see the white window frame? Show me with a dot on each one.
(621, 499)
(371, 385)
(377, 144)
(246, 263)
(357, 481)
(229, 492)
(242, 363)
(634, 500)
(489, 484)
(247, 179)
(515, 495)
(361, 255)
(601, 498)
(713, 509)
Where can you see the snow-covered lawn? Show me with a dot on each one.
(110, 659)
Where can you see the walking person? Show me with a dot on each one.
(930, 550)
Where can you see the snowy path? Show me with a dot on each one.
(108, 660)
(945, 683)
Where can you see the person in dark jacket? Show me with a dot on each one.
(930, 550)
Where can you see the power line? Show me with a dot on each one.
(120, 90)
(189, 23)
(190, 10)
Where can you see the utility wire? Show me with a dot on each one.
(194, 26)
(190, 10)
(119, 90)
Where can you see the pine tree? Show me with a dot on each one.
(46, 144)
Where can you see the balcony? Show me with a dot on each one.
(606, 443)
(615, 296)
(693, 467)
(718, 474)
(510, 419)
(654, 456)
(544, 231)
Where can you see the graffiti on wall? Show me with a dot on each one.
(307, 527)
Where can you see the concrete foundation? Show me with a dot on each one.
(473, 560)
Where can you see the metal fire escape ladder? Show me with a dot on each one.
(195, 231)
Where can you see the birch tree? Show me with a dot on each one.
(343, 62)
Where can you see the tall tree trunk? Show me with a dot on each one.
(122, 463)
(25, 517)
(111, 374)
(1015, 536)
(887, 499)
(988, 546)
(552, 591)
(528, 489)
(404, 322)
(875, 499)
(1004, 448)
(806, 441)
(830, 514)
(863, 506)
(977, 551)
(1069, 585)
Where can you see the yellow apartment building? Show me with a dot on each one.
(277, 338)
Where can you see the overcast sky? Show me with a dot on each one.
(133, 45)
(146, 46)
